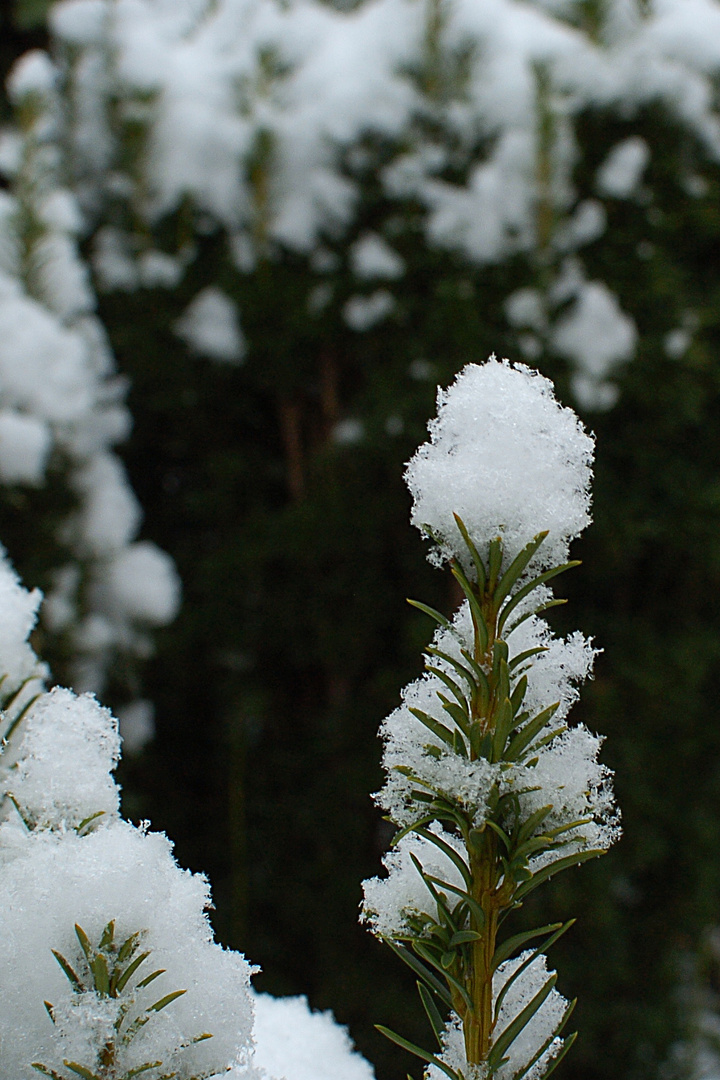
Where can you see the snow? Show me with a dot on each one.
(348, 432)
(33, 74)
(533, 1036)
(506, 457)
(621, 172)
(511, 460)
(372, 257)
(210, 327)
(137, 725)
(598, 336)
(253, 110)
(44, 367)
(295, 1043)
(68, 860)
(69, 748)
(159, 270)
(363, 312)
(110, 513)
(677, 342)
(389, 901)
(52, 880)
(25, 443)
(60, 399)
(18, 613)
(566, 774)
(143, 584)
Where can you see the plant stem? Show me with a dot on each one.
(483, 860)
(478, 1024)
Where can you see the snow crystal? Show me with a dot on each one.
(622, 170)
(506, 457)
(25, 443)
(69, 747)
(210, 326)
(50, 882)
(295, 1043)
(372, 257)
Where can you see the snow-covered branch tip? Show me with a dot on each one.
(492, 790)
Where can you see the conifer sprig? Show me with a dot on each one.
(485, 718)
(110, 970)
(492, 791)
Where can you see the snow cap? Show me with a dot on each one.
(506, 457)
(69, 748)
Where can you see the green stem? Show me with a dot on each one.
(478, 1024)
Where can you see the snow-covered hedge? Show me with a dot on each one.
(62, 404)
(262, 119)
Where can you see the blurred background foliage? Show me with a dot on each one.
(290, 533)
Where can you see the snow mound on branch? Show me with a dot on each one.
(565, 773)
(506, 457)
(25, 443)
(391, 900)
(69, 748)
(50, 882)
(295, 1043)
(211, 328)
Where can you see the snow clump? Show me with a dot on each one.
(69, 748)
(295, 1043)
(522, 986)
(506, 457)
